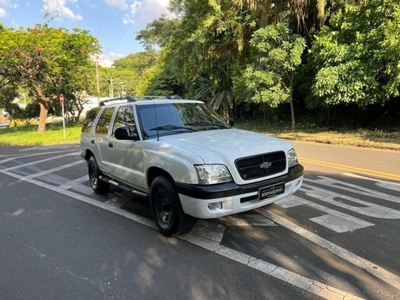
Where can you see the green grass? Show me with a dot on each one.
(28, 135)
(382, 139)
(307, 132)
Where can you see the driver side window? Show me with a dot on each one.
(125, 117)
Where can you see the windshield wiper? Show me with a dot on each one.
(172, 128)
(207, 124)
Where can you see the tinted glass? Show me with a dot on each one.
(125, 117)
(104, 122)
(90, 117)
(174, 118)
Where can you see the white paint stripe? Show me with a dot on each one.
(349, 187)
(13, 157)
(345, 222)
(348, 223)
(356, 260)
(39, 161)
(366, 208)
(75, 182)
(307, 284)
(85, 199)
(304, 283)
(55, 169)
(381, 183)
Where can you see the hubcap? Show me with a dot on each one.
(93, 175)
(163, 208)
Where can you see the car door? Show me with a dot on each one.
(101, 139)
(126, 156)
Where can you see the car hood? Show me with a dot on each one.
(221, 146)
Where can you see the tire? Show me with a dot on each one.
(167, 210)
(98, 186)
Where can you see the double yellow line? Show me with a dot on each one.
(351, 169)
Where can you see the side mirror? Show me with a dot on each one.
(124, 133)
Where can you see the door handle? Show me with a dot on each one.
(110, 144)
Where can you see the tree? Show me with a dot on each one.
(40, 58)
(215, 88)
(357, 57)
(271, 76)
(8, 92)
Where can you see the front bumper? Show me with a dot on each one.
(214, 201)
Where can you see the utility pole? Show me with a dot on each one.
(111, 94)
(97, 81)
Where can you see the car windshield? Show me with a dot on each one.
(174, 118)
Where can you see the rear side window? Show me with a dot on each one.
(89, 120)
(104, 122)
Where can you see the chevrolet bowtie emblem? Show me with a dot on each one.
(265, 165)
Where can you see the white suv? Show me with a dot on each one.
(186, 160)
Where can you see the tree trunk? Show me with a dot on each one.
(292, 114)
(44, 108)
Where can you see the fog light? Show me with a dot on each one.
(216, 205)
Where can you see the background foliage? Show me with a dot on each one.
(333, 62)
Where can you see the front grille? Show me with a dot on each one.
(261, 165)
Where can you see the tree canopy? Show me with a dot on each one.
(43, 60)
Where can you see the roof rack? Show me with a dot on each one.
(135, 98)
(118, 100)
(151, 97)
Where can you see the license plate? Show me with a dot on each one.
(271, 191)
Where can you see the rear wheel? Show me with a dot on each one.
(167, 210)
(98, 186)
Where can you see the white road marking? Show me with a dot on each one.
(307, 284)
(66, 147)
(363, 207)
(247, 219)
(381, 183)
(85, 199)
(38, 161)
(38, 174)
(349, 187)
(335, 220)
(354, 259)
(302, 282)
(13, 156)
(74, 183)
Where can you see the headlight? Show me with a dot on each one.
(292, 158)
(211, 174)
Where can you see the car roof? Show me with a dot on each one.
(124, 101)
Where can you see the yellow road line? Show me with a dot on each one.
(352, 169)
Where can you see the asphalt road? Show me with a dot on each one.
(337, 238)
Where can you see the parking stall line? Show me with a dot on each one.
(304, 283)
(38, 174)
(17, 156)
(354, 259)
(74, 182)
(394, 186)
(355, 189)
(333, 219)
(39, 161)
(307, 284)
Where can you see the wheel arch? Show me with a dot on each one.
(88, 154)
(153, 172)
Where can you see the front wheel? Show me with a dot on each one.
(167, 210)
(98, 186)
